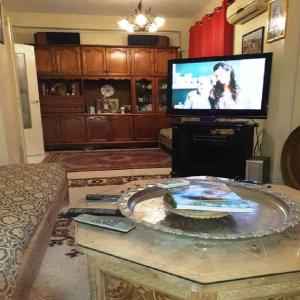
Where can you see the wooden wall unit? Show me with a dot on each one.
(70, 78)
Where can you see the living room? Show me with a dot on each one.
(20, 21)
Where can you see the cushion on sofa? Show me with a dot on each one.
(26, 192)
(166, 132)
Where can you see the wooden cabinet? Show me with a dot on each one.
(72, 129)
(102, 61)
(62, 104)
(160, 88)
(102, 129)
(142, 60)
(45, 60)
(70, 79)
(68, 60)
(161, 60)
(58, 60)
(117, 61)
(51, 130)
(98, 129)
(142, 93)
(145, 128)
(121, 128)
(93, 61)
(165, 122)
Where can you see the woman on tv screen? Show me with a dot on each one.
(225, 94)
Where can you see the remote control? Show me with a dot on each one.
(74, 212)
(109, 222)
(101, 197)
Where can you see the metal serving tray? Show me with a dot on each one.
(275, 212)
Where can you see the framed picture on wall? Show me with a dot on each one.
(253, 41)
(1, 25)
(277, 16)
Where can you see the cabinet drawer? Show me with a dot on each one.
(57, 101)
(62, 109)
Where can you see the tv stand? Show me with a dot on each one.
(212, 148)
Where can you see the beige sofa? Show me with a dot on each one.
(165, 138)
(30, 200)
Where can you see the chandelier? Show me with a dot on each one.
(141, 21)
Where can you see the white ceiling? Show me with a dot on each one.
(165, 8)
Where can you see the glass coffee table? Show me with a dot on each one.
(159, 260)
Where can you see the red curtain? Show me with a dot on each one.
(213, 35)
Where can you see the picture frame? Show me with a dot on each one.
(113, 104)
(277, 16)
(1, 25)
(253, 41)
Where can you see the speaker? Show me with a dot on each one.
(56, 38)
(148, 40)
(258, 169)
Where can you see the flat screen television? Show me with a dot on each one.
(234, 86)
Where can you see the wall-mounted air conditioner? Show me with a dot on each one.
(241, 11)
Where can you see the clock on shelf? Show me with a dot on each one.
(107, 90)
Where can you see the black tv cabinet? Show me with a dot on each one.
(211, 148)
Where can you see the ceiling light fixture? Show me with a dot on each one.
(141, 21)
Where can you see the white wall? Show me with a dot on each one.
(93, 29)
(284, 99)
(11, 143)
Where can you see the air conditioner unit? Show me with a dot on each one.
(241, 11)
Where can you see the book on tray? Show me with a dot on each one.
(209, 196)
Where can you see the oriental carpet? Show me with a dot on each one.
(63, 274)
(110, 159)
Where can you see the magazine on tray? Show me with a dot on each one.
(209, 196)
(173, 182)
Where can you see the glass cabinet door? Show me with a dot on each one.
(162, 94)
(143, 95)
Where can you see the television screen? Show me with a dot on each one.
(229, 86)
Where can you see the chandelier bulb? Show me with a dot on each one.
(140, 21)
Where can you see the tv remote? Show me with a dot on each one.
(109, 222)
(74, 212)
(102, 197)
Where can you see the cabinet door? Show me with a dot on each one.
(45, 60)
(93, 60)
(51, 130)
(161, 84)
(121, 128)
(161, 60)
(117, 61)
(98, 129)
(68, 60)
(145, 128)
(72, 129)
(143, 100)
(142, 61)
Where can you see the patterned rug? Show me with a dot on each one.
(104, 181)
(112, 159)
(63, 234)
(63, 274)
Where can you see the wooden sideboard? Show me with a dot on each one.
(102, 129)
(70, 79)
